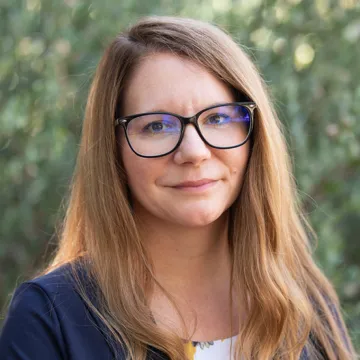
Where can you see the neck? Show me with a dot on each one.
(178, 253)
(193, 266)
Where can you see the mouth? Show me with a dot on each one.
(198, 185)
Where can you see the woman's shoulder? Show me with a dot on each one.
(61, 281)
(56, 294)
(57, 289)
(54, 282)
(50, 289)
(48, 318)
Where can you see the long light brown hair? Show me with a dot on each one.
(289, 303)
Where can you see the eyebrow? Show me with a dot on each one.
(205, 107)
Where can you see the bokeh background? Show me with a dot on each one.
(308, 52)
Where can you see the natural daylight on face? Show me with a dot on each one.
(195, 184)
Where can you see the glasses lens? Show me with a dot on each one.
(154, 134)
(225, 126)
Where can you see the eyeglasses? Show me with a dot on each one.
(156, 134)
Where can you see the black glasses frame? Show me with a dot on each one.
(124, 121)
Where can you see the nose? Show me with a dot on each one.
(192, 149)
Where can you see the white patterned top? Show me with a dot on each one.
(211, 350)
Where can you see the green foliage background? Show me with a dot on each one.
(308, 51)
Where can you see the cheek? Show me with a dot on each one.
(236, 161)
(237, 168)
(141, 173)
(137, 173)
(132, 168)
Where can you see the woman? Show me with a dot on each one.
(183, 238)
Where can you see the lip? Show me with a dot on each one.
(198, 185)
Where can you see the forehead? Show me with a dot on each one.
(168, 82)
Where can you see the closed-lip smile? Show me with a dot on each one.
(194, 184)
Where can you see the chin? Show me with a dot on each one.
(193, 219)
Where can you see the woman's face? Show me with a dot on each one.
(169, 83)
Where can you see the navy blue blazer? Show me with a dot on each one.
(47, 319)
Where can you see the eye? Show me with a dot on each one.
(218, 119)
(155, 126)
(161, 127)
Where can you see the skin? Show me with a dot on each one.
(185, 231)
